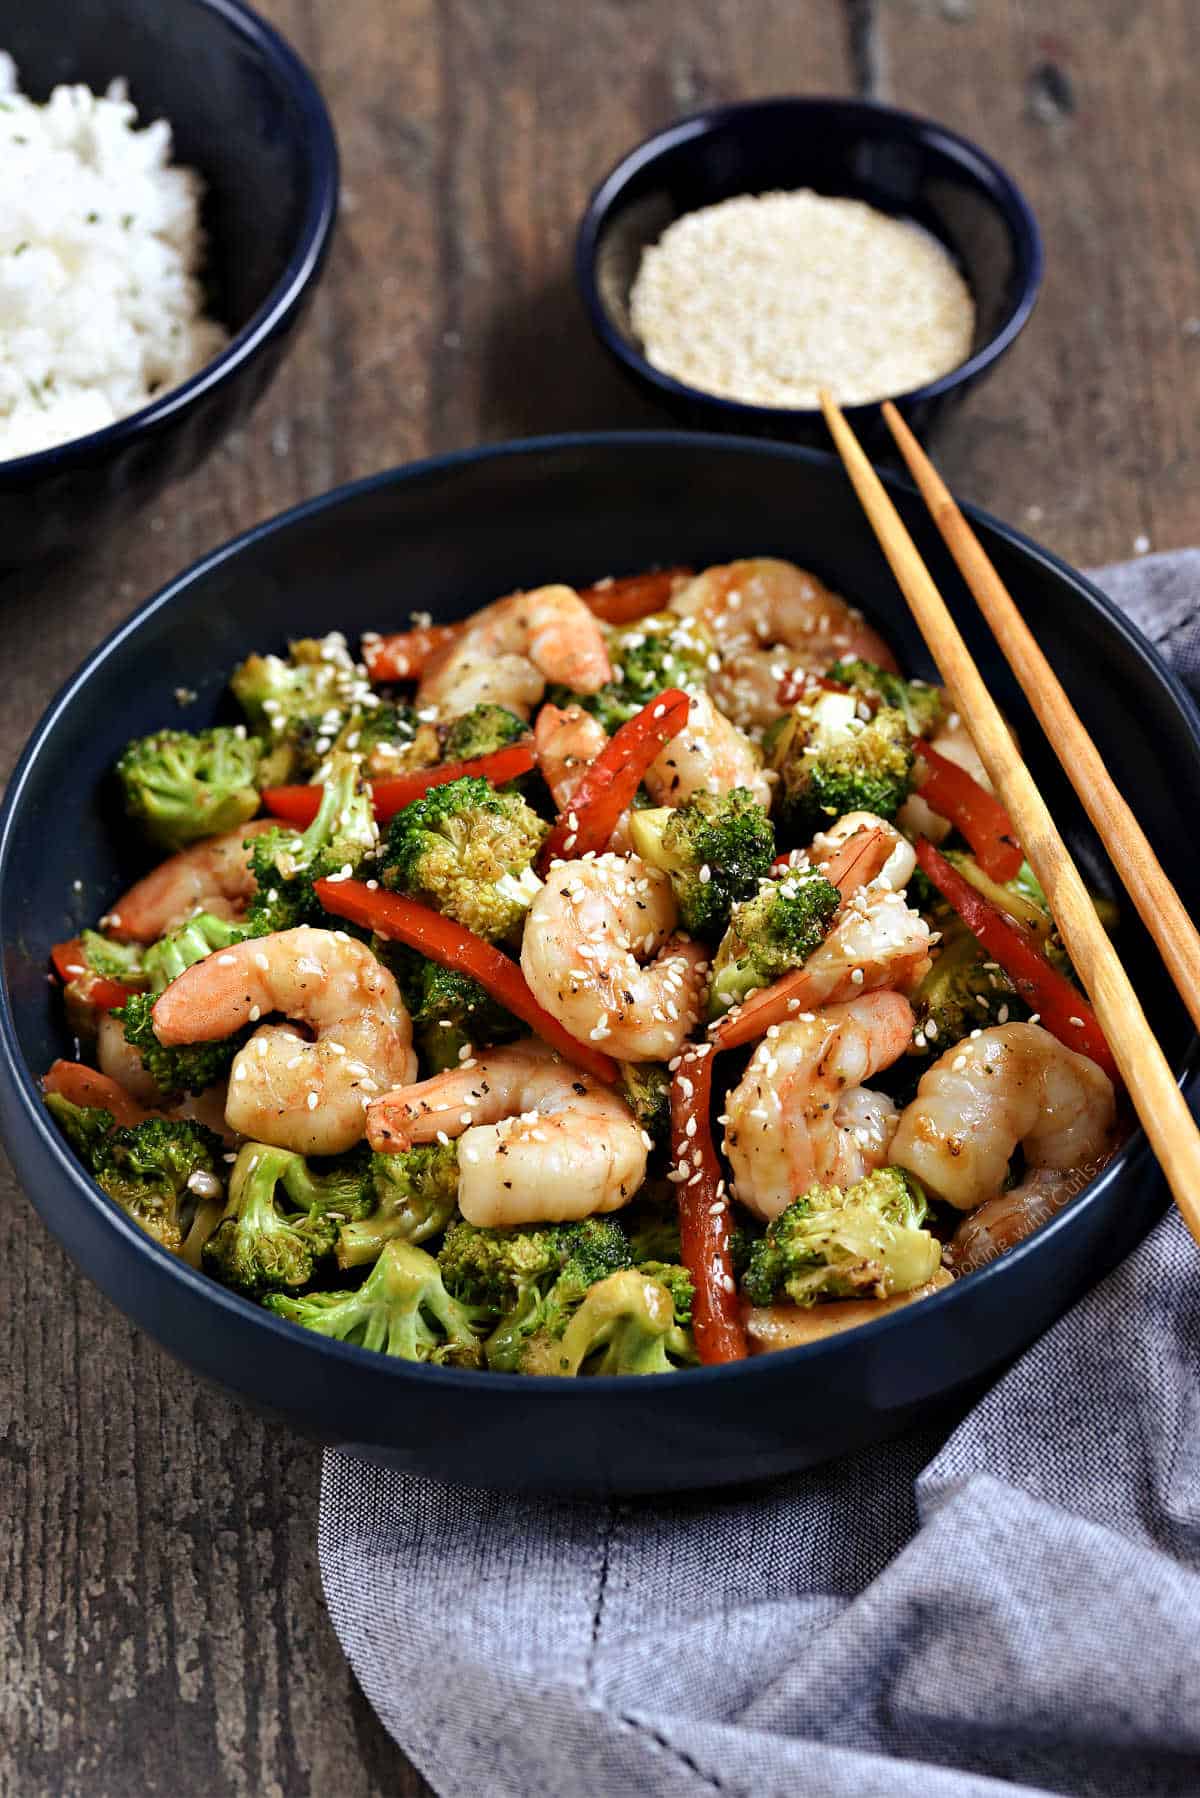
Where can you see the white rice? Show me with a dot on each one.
(768, 298)
(100, 247)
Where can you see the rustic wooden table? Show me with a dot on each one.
(161, 1623)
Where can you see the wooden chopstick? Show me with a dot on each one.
(1157, 1099)
(1159, 906)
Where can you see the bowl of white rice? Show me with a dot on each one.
(745, 258)
(168, 186)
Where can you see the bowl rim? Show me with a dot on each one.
(989, 174)
(303, 264)
(1132, 1158)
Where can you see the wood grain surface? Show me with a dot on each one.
(161, 1623)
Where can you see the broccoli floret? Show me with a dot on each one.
(481, 731)
(114, 961)
(387, 738)
(647, 657)
(468, 851)
(769, 935)
(922, 705)
(256, 1246)
(84, 1126)
(186, 1068)
(715, 849)
(866, 1242)
(181, 785)
(677, 1281)
(167, 959)
(341, 1187)
(830, 762)
(746, 1232)
(964, 990)
(450, 1011)
(414, 1196)
(299, 706)
(152, 1170)
(402, 1308)
(529, 1280)
(646, 1087)
(285, 863)
(625, 1325)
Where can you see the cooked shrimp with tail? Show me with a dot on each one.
(212, 875)
(710, 756)
(1013, 1086)
(511, 649)
(601, 954)
(767, 617)
(307, 1093)
(539, 1141)
(802, 1113)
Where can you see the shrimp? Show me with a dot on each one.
(568, 740)
(877, 942)
(767, 616)
(510, 649)
(539, 1140)
(897, 869)
(122, 1062)
(1013, 1084)
(213, 875)
(1001, 1223)
(310, 1096)
(710, 755)
(800, 1113)
(587, 935)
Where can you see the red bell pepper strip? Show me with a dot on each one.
(446, 941)
(406, 655)
(608, 786)
(300, 805)
(705, 1216)
(1060, 1007)
(84, 1086)
(633, 596)
(975, 813)
(73, 969)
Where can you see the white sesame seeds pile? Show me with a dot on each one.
(768, 298)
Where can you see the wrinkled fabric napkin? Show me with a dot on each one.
(1014, 1610)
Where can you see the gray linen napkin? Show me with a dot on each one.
(1014, 1610)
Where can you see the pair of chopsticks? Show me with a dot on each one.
(1156, 1097)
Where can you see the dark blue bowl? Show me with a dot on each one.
(246, 113)
(449, 535)
(896, 162)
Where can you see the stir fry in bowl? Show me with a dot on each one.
(613, 981)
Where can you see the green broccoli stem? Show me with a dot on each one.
(402, 1309)
(416, 1194)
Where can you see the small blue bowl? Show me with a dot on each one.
(246, 113)
(903, 165)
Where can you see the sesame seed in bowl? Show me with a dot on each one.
(745, 257)
(770, 298)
